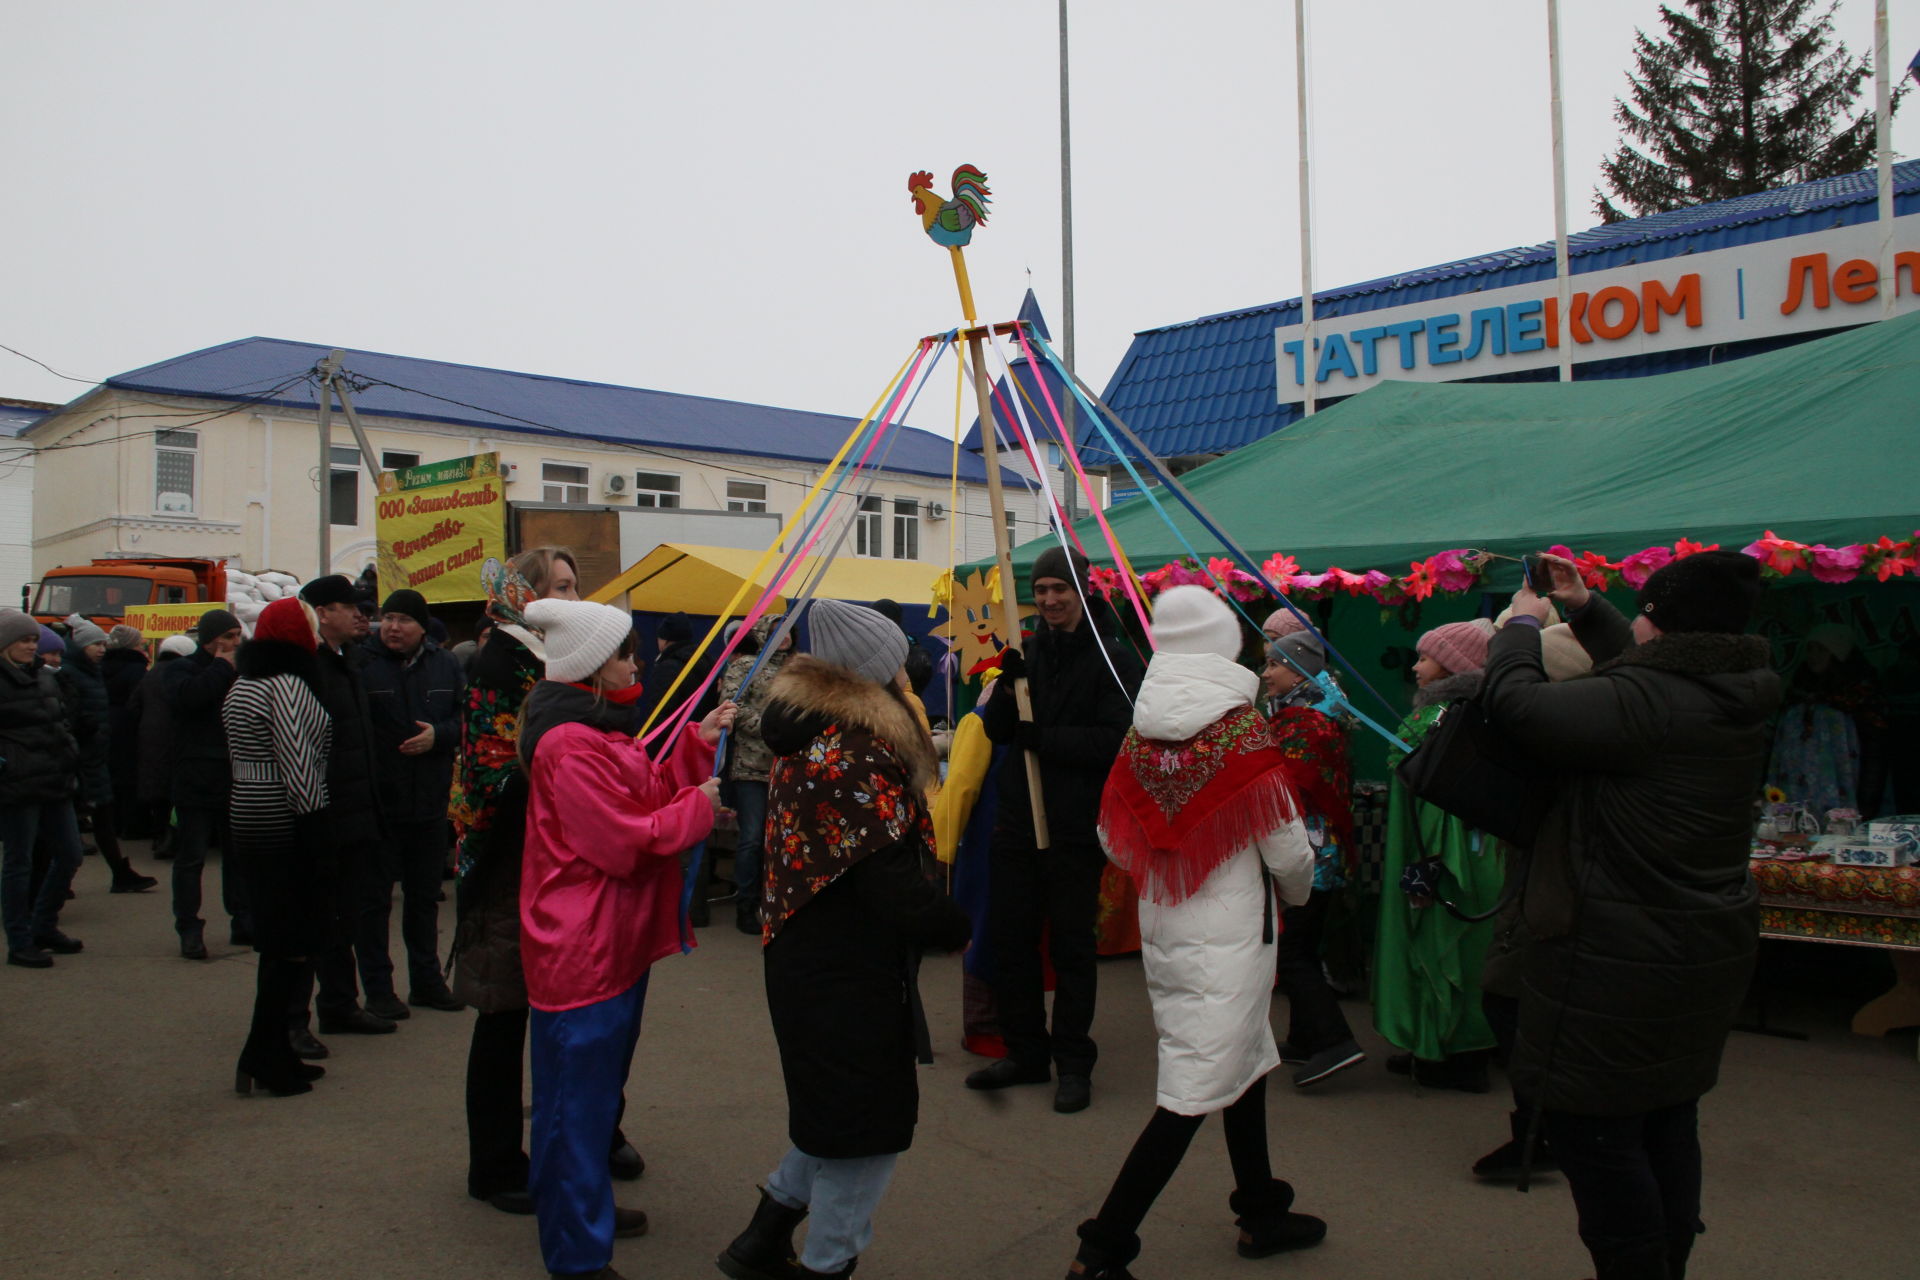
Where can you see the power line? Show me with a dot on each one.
(49, 368)
(21, 452)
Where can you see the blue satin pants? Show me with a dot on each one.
(580, 1063)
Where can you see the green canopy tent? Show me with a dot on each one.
(1819, 442)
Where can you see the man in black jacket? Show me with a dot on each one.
(1080, 716)
(194, 687)
(414, 692)
(1642, 918)
(352, 815)
(39, 767)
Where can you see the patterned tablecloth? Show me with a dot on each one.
(1864, 906)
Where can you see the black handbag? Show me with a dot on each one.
(1465, 767)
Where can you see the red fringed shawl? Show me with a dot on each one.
(1173, 812)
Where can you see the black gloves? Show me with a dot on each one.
(1027, 735)
(1012, 665)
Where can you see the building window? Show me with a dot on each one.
(176, 462)
(906, 529)
(562, 482)
(345, 482)
(658, 489)
(746, 495)
(398, 460)
(1013, 528)
(1053, 453)
(867, 530)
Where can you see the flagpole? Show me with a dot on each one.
(1883, 128)
(1066, 251)
(1308, 357)
(1562, 274)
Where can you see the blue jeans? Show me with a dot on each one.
(750, 809)
(839, 1196)
(29, 915)
(580, 1063)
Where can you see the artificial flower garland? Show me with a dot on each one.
(1461, 569)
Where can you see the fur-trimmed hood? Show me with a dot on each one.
(809, 694)
(1466, 684)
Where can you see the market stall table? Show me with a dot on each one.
(1808, 900)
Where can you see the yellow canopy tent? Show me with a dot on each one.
(702, 580)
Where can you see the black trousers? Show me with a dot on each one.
(1161, 1146)
(496, 1119)
(411, 854)
(1314, 1020)
(1055, 894)
(1636, 1184)
(332, 969)
(199, 828)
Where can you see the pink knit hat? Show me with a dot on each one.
(1459, 646)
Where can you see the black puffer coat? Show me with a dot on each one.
(150, 718)
(38, 747)
(354, 805)
(1082, 716)
(124, 670)
(92, 725)
(195, 686)
(841, 969)
(1642, 917)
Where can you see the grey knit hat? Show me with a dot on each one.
(16, 626)
(83, 632)
(124, 637)
(864, 642)
(1301, 651)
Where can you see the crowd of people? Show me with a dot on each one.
(340, 751)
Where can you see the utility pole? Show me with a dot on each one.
(333, 382)
(1066, 259)
(1308, 358)
(1562, 262)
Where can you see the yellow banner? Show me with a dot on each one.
(437, 524)
(156, 622)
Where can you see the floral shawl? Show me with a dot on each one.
(489, 736)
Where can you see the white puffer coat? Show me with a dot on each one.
(1208, 972)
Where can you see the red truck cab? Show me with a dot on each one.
(105, 589)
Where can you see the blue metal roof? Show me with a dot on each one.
(16, 418)
(1038, 418)
(273, 372)
(1207, 386)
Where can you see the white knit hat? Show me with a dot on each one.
(857, 638)
(580, 635)
(1192, 619)
(178, 646)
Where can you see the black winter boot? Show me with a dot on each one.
(1104, 1253)
(764, 1251)
(1266, 1224)
(1503, 1163)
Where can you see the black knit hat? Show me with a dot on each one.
(1053, 563)
(335, 588)
(411, 603)
(213, 624)
(1706, 591)
(675, 628)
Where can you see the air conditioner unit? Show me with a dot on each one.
(935, 510)
(616, 484)
(509, 472)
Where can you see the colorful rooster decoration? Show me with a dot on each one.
(951, 222)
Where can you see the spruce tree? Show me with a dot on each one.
(1738, 96)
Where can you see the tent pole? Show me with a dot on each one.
(1562, 281)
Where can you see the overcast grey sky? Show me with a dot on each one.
(711, 198)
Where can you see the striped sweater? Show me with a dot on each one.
(278, 737)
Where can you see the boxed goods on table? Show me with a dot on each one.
(1895, 829)
(1856, 851)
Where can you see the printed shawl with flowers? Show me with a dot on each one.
(845, 797)
(489, 739)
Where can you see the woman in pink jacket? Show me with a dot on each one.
(599, 903)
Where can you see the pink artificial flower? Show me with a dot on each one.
(1105, 581)
(1638, 567)
(1419, 582)
(1837, 564)
(1376, 584)
(1780, 555)
(1687, 547)
(1182, 574)
(1280, 571)
(1305, 582)
(1351, 583)
(1453, 570)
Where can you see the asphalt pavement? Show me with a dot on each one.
(124, 1151)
